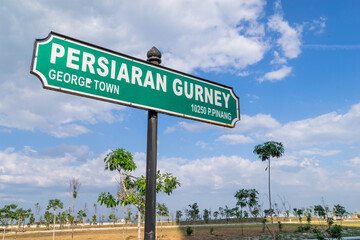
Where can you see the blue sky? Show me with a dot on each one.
(293, 64)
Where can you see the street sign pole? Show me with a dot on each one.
(154, 56)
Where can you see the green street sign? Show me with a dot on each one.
(68, 65)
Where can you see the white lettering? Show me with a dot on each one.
(103, 70)
(88, 60)
(217, 98)
(52, 74)
(123, 73)
(161, 82)
(208, 96)
(113, 65)
(136, 75)
(178, 90)
(226, 98)
(198, 93)
(188, 95)
(57, 50)
(149, 80)
(71, 58)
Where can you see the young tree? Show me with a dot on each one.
(206, 215)
(178, 216)
(132, 189)
(54, 204)
(7, 214)
(37, 211)
(74, 186)
(48, 216)
(265, 152)
(194, 212)
(162, 211)
(247, 198)
(339, 211)
(81, 216)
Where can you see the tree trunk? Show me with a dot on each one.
(124, 222)
(72, 221)
(160, 226)
(139, 223)
(54, 225)
(4, 233)
(271, 212)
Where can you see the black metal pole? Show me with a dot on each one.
(154, 56)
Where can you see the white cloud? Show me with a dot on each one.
(257, 122)
(51, 170)
(289, 39)
(276, 75)
(190, 127)
(317, 151)
(324, 129)
(235, 139)
(355, 161)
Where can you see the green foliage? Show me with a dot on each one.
(248, 198)
(193, 212)
(335, 232)
(132, 188)
(162, 210)
(178, 216)
(206, 215)
(339, 210)
(279, 226)
(298, 213)
(94, 219)
(48, 216)
(320, 211)
(319, 234)
(81, 215)
(119, 160)
(112, 218)
(189, 231)
(269, 149)
(263, 221)
(108, 200)
(211, 231)
(54, 204)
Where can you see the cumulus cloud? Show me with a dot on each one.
(276, 75)
(289, 40)
(235, 139)
(324, 129)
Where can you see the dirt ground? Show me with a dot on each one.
(174, 233)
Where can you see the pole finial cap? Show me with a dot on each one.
(154, 55)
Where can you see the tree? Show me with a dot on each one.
(339, 211)
(7, 214)
(37, 210)
(206, 215)
(74, 186)
(265, 152)
(178, 216)
(320, 211)
(81, 216)
(162, 210)
(247, 198)
(194, 212)
(298, 212)
(132, 189)
(54, 204)
(48, 216)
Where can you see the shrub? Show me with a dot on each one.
(335, 232)
(212, 231)
(189, 231)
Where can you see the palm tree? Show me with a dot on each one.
(54, 204)
(265, 152)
